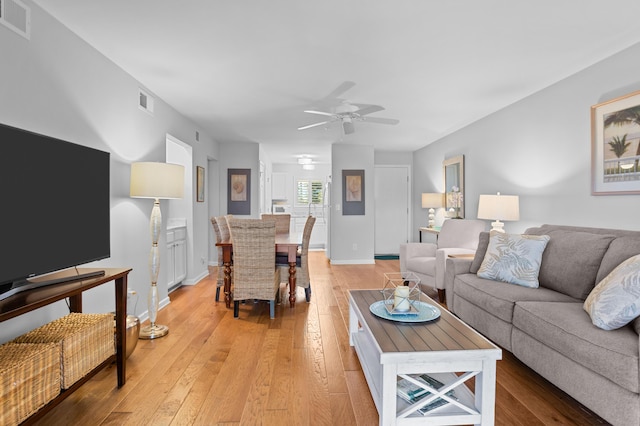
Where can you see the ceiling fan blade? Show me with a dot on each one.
(369, 110)
(314, 125)
(381, 120)
(310, 111)
(340, 89)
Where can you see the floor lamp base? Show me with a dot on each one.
(153, 331)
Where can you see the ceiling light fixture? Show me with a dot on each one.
(305, 160)
(308, 167)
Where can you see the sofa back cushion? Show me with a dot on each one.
(571, 260)
(620, 249)
(483, 244)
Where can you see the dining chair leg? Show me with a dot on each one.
(236, 308)
(217, 293)
(272, 309)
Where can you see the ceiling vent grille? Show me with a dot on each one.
(16, 16)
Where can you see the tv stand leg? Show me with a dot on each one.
(75, 303)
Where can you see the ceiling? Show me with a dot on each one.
(245, 70)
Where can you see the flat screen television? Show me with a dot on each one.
(54, 208)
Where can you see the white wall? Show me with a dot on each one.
(58, 85)
(345, 231)
(540, 149)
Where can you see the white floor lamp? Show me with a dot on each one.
(157, 181)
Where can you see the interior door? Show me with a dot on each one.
(391, 186)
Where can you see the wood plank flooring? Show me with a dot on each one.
(297, 369)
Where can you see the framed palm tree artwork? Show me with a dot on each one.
(615, 146)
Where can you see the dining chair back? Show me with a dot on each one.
(254, 253)
(302, 260)
(221, 229)
(283, 222)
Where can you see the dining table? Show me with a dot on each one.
(285, 243)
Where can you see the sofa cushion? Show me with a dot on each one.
(483, 243)
(619, 250)
(615, 301)
(513, 259)
(571, 260)
(566, 328)
(499, 298)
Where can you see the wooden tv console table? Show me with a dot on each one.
(30, 300)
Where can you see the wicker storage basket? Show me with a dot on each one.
(29, 378)
(86, 340)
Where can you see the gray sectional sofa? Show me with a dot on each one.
(547, 327)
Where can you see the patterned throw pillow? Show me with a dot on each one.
(615, 301)
(513, 259)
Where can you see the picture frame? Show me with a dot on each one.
(199, 184)
(615, 146)
(353, 194)
(239, 191)
(453, 176)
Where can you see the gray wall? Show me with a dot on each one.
(540, 149)
(345, 231)
(58, 85)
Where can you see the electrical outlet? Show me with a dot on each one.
(355, 246)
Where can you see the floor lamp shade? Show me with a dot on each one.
(499, 207)
(155, 180)
(432, 201)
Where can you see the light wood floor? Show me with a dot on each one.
(297, 369)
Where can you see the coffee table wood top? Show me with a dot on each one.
(446, 333)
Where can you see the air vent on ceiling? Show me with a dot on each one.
(16, 16)
(145, 101)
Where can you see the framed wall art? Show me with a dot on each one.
(239, 191)
(353, 192)
(615, 146)
(200, 184)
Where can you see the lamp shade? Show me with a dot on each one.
(432, 200)
(499, 207)
(156, 180)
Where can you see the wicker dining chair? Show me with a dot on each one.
(302, 260)
(221, 229)
(255, 275)
(283, 222)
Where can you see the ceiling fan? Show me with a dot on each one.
(346, 112)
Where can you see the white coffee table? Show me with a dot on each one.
(389, 349)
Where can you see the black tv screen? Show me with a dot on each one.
(55, 205)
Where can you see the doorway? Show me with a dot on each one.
(391, 190)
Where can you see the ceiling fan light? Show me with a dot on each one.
(308, 167)
(304, 160)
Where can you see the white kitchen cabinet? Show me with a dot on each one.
(279, 185)
(176, 256)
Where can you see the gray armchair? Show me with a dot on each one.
(427, 261)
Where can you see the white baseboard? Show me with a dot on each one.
(196, 280)
(145, 315)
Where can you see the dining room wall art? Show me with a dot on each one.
(239, 191)
(199, 184)
(615, 146)
(353, 198)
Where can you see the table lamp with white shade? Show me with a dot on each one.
(432, 201)
(157, 181)
(499, 207)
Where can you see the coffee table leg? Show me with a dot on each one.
(485, 392)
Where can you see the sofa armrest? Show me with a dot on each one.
(410, 250)
(454, 267)
(441, 262)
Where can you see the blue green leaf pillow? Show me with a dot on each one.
(513, 258)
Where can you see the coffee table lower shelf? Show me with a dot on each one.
(382, 367)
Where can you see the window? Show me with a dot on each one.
(309, 192)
